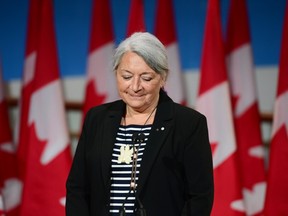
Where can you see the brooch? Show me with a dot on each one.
(125, 154)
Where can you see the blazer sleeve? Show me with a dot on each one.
(76, 192)
(198, 170)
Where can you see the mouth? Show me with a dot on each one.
(135, 96)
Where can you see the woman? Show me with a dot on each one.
(143, 154)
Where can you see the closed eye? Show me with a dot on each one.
(126, 77)
(146, 78)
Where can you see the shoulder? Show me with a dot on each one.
(187, 117)
(187, 112)
(181, 113)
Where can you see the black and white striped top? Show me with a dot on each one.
(121, 172)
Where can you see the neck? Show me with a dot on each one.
(131, 112)
(139, 118)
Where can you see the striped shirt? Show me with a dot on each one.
(121, 172)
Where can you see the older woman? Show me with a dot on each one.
(143, 154)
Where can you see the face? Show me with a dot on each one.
(138, 84)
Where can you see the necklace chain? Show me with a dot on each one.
(124, 118)
(135, 153)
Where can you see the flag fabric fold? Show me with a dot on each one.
(46, 145)
(165, 31)
(277, 188)
(245, 109)
(10, 185)
(136, 22)
(214, 101)
(101, 83)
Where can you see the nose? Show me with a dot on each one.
(136, 84)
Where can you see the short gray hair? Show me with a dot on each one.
(146, 46)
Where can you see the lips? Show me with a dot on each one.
(136, 96)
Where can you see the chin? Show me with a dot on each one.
(135, 100)
(135, 104)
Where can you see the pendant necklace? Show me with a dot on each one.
(126, 152)
(127, 155)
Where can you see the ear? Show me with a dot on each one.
(163, 80)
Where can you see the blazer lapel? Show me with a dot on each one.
(159, 132)
(110, 127)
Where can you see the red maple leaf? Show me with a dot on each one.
(92, 97)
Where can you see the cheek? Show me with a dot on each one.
(122, 87)
(120, 84)
(155, 86)
(152, 90)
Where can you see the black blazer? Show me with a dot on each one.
(176, 169)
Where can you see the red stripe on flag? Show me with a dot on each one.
(237, 22)
(165, 28)
(245, 107)
(33, 26)
(277, 187)
(136, 22)
(28, 75)
(165, 31)
(10, 186)
(101, 31)
(214, 102)
(46, 145)
(101, 83)
(213, 50)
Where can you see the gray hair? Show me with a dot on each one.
(146, 46)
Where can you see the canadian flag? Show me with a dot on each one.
(245, 109)
(26, 90)
(277, 183)
(10, 186)
(214, 102)
(165, 31)
(101, 83)
(47, 150)
(136, 21)
(22, 131)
